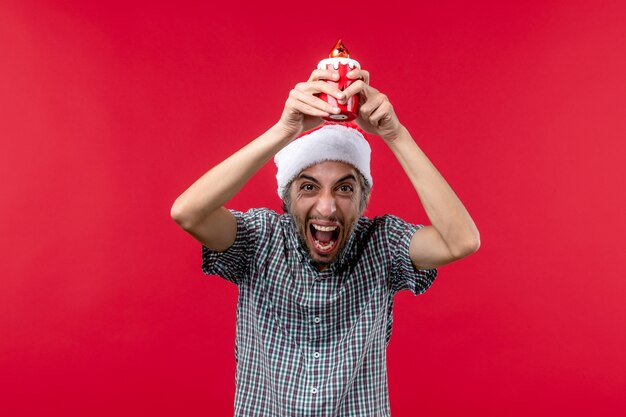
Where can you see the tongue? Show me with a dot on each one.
(324, 237)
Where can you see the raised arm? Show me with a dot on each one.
(200, 209)
(453, 234)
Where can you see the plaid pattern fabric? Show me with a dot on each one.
(313, 343)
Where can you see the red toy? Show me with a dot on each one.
(339, 59)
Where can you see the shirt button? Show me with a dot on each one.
(313, 390)
(317, 320)
(316, 355)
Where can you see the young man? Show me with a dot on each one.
(316, 284)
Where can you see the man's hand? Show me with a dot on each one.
(453, 234)
(303, 109)
(376, 114)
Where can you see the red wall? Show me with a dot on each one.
(109, 110)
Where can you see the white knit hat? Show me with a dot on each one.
(330, 143)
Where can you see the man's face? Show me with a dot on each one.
(325, 203)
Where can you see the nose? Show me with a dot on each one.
(326, 205)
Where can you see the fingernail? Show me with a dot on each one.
(339, 95)
(336, 109)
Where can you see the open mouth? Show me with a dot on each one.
(324, 238)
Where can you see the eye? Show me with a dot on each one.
(346, 188)
(307, 187)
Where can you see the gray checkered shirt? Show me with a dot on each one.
(313, 343)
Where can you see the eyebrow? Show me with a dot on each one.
(313, 179)
(346, 177)
(308, 177)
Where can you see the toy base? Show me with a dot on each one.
(341, 117)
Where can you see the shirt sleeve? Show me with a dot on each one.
(404, 275)
(233, 263)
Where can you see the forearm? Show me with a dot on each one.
(444, 209)
(216, 187)
(200, 209)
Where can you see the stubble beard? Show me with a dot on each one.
(301, 228)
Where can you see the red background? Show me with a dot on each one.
(109, 110)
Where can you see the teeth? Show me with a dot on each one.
(324, 247)
(324, 228)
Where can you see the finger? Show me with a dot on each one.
(373, 111)
(316, 87)
(355, 88)
(301, 109)
(324, 74)
(305, 109)
(373, 100)
(358, 73)
(310, 104)
(381, 114)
